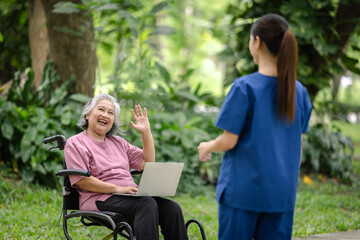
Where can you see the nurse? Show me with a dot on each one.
(263, 117)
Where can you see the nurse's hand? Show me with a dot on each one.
(204, 154)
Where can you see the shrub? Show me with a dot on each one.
(27, 117)
(327, 151)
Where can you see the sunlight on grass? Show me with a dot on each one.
(326, 207)
(32, 212)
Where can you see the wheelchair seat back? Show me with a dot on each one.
(70, 196)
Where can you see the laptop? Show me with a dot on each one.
(158, 179)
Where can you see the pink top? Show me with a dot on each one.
(108, 161)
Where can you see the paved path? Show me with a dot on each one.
(351, 235)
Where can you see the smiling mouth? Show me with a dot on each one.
(102, 121)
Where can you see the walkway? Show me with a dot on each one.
(350, 235)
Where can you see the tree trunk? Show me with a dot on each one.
(71, 45)
(347, 18)
(38, 38)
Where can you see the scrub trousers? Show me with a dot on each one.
(146, 214)
(237, 224)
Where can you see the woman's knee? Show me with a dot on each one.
(170, 209)
(148, 204)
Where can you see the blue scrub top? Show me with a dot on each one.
(261, 172)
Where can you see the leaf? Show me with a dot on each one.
(314, 159)
(188, 96)
(194, 120)
(1, 37)
(158, 7)
(180, 118)
(66, 8)
(7, 130)
(87, 2)
(59, 95)
(124, 14)
(162, 30)
(26, 93)
(108, 6)
(350, 63)
(27, 174)
(187, 74)
(66, 117)
(108, 47)
(80, 98)
(69, 31)
(163, 72)
(186, 141)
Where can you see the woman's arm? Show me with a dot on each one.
(148, 149)
(142, 125)
(222, 143)
(92, 184)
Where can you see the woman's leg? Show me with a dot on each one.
(171, 219)
(236, 224)
(275, 226)
(142, 212)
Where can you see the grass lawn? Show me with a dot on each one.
(32, 212)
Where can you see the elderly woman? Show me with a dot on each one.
(109, 158)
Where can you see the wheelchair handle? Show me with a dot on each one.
(61, 140)
(77, 172)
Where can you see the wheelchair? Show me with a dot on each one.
(117, 223)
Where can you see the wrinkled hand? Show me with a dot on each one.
(128, 190)
(204, 154)
(141, 120)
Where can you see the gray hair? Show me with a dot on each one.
(89, 106)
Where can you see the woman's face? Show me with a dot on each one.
(100, 119)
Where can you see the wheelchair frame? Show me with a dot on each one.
(113, 221)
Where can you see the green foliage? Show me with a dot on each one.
(14, 42)
(128, 30)
(327, 151)
(178, 127)
(27, 117)
(351, 130)
(316, 26)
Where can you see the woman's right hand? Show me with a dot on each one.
(127, 190)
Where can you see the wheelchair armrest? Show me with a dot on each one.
(135, 172)
(78, 172)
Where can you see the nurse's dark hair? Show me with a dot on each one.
(274, 30)
(91, 104)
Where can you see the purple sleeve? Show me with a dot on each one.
(134, 154)
(76, 157)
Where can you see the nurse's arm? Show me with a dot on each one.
(222, 143)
